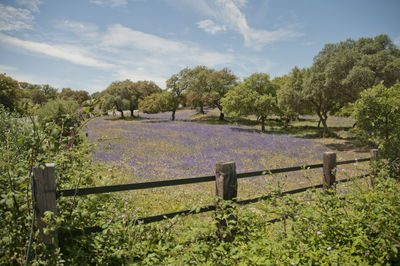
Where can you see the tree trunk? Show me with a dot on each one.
(221, 115)
(319, 123)
(263, 123)
(132, 113)
(325, 125)
(201, 109)
(173, 115)
(322, 118)
(118, 109)
(287, 120)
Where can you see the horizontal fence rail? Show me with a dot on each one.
(185, 181)
(166, 216)
(46, 194)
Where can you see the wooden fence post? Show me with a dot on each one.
(226, 181)
(374, 156)
(329, 170)
(226, 189)
(44, 192)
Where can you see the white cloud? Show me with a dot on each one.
(14, 19)
(228, 14)
(72, 54)
(84, 30)
(118, 36)
(32, 5)
(210, 27)
(6, 68)
(124, 52)
(112, 3)
(397, 41)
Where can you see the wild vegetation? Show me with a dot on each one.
(217, 118)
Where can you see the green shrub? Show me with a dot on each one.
(377, 115)
(64, 113)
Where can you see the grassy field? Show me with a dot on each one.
(153, 148)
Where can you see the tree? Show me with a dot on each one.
(377, 116)
(206, 86)
(256, 95)
(168, 100)
(289, 95)
(61, 112)
(37, 96)
(158, 102)
(140, 90)
(50, 92)
(125, 95)
(219, 83)
(341, 71)
(117, 96)
(177, 87)
(10, 92)
(78, 96)
(197, 91)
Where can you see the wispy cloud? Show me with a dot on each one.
(112, 3)
(210, 27)
(15, 19)
(397, 41)
(71, 54)
(123, 51)
(32, 5)
(6, 68)
(229, 15)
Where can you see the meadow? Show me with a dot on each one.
(152, 148)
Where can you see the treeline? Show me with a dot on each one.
(330, 86)
(340, 72)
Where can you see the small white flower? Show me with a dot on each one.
(328, 248)
(319, 232)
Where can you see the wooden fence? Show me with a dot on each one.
(46, 194)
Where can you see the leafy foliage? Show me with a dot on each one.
(125, 95)
(10, 92)
(290, 95)
(341, 71)
(377, 115)
(256, 95)
(63, 113)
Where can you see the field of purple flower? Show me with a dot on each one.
(154, 148)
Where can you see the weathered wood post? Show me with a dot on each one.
(226, 189)
(44, 193)
(329, 170)
(374, 157)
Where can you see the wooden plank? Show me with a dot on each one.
(165, 216)
(329, 170)
(373, 164)
(226, 181)
(133, 186)
(226, 187)
(176, 182)
(44, 193)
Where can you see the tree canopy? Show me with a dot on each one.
(125, 95)
(256, 95)
(290, 94)
(377, 115)
(10, 92)
(341, 71)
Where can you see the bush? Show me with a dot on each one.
(64, 113)
(377, 115)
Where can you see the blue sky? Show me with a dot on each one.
(87, 44)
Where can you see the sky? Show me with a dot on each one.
(87, 44)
